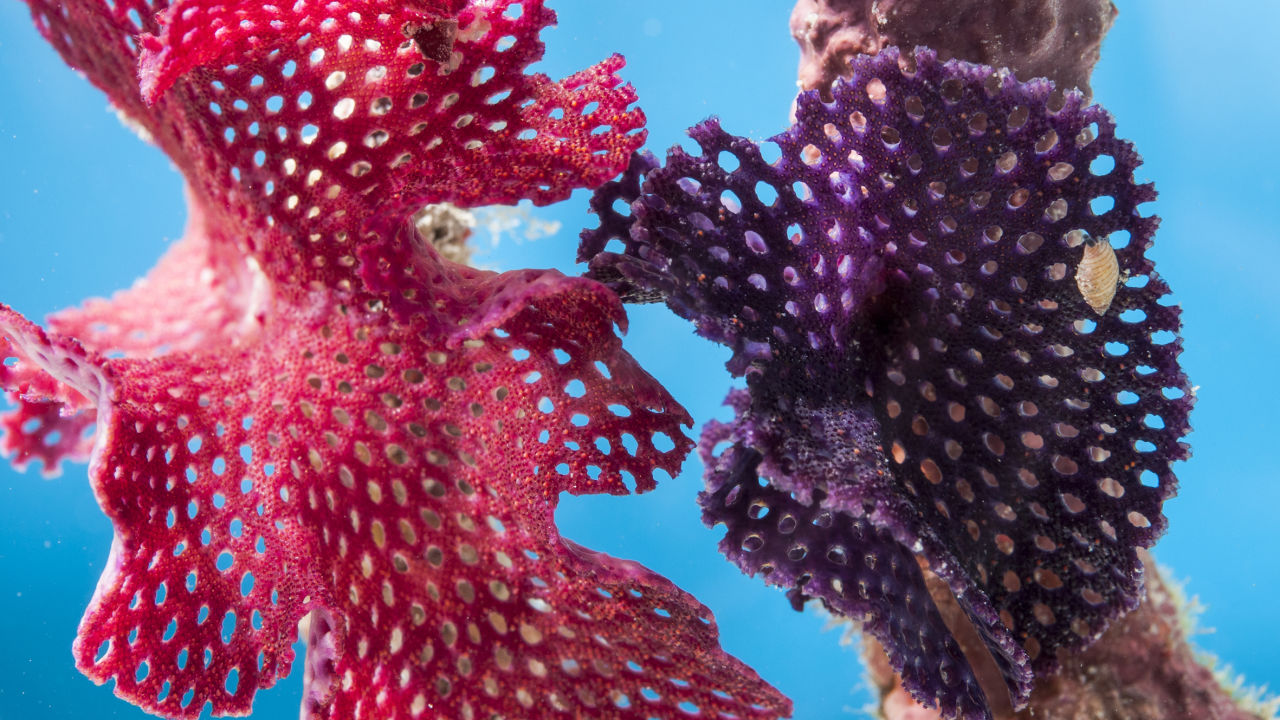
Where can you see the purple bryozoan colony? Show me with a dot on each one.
(926, 386)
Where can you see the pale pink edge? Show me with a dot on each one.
(92, 378)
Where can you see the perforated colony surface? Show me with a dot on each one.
(305, 410)
(925, 377)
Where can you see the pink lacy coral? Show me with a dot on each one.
(304, 410)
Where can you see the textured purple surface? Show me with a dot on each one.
(858, 561)
(895, 276)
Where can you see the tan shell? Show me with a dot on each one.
(1098, 275)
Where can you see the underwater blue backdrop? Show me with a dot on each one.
(86, 207)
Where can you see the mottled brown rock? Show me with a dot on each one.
(1057, 39)
(1143, 668)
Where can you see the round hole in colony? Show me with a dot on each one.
(344, 108)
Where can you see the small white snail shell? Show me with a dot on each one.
(1098, 274)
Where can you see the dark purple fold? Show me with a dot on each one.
(854, 553)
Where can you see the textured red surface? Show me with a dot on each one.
(305, 410)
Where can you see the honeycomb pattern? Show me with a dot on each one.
(405, 492)
(851, 562)
(310, 132)
(304, 413)
(823, 466)
(908, 251)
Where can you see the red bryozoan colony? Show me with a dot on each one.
(305, 410)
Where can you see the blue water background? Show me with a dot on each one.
(85, 208)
